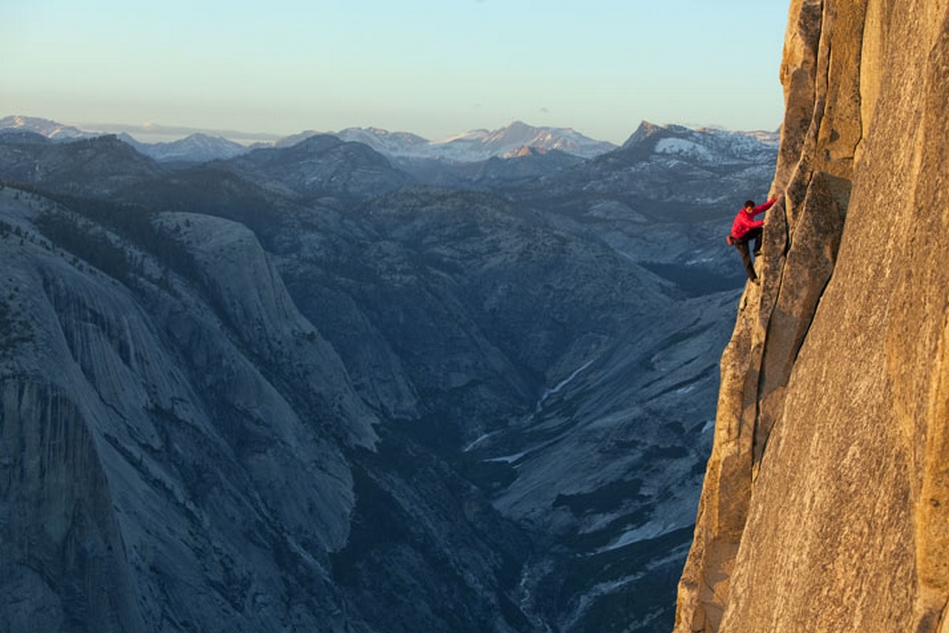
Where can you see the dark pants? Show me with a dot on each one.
(742, 246)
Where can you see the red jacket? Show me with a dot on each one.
(745, 221)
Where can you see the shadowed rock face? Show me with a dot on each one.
(824, 506)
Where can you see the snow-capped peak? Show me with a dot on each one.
(478, 145)
(701, 145)
(44, 127)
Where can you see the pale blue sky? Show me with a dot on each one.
(433, 67)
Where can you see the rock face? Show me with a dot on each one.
(119, 452)
(825, 500)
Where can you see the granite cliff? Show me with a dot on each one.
(825, 501)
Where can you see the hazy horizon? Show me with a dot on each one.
(152, 132)
(433, 69)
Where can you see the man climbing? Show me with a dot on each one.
(744, 229)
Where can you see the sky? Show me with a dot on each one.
(431, 67)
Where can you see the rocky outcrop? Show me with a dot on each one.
(825, 501)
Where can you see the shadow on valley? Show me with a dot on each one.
(320, 393)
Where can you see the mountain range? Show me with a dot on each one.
(478, 145)
(303, 388)
(474, 146)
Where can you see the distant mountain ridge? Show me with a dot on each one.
(44, 127)
(478, 145)
(675, 159)
(702, 145)
(516, 140)
(472, 146)
(195, 148)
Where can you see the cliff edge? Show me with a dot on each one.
(826, 499)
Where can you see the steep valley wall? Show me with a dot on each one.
(826, 500)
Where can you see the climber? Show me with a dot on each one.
(744, 229)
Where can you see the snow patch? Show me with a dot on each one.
(563, 383)
(642, 533)
(683, 147)
(507, 459)
(478, 441)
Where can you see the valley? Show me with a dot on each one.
(319, 387)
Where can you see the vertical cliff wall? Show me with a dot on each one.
(826, 499)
